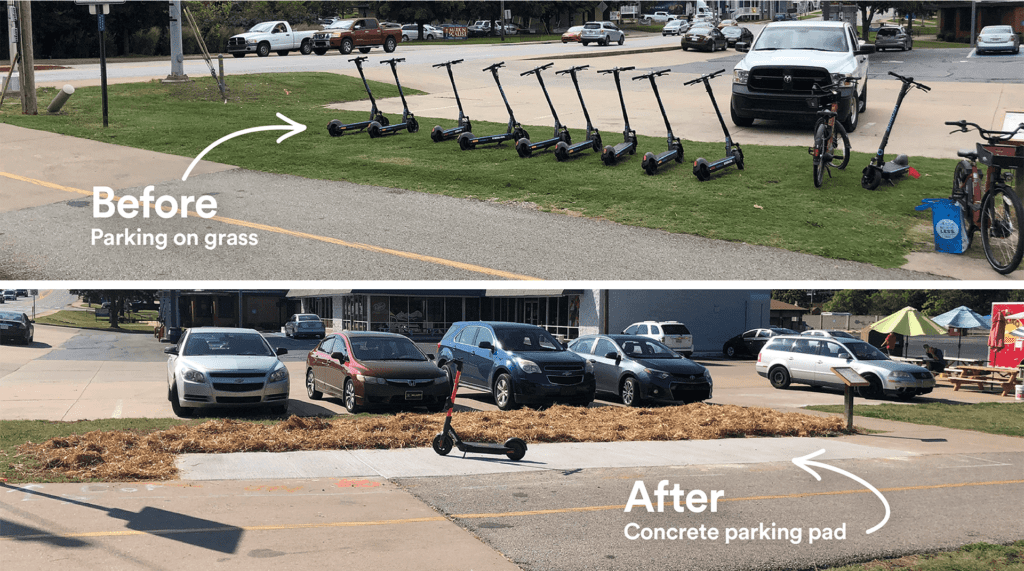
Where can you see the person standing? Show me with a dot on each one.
(891, 340)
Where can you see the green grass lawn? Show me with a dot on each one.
(772, 203)
(990, 417)
(88, 320)
(973, 557)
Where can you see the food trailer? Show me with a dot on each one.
(1010, 331)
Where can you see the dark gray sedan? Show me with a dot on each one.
(639, 369)
(16, 326)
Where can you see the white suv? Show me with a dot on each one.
(603, 33)
(809, 360)
(673, 334)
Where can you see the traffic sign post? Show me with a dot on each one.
(101, 8)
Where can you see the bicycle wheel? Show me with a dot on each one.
(840, 148)
(1001, 221)
(963, 194)
(820, 148)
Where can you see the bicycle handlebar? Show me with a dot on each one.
(993, 137)
(392, 60)
(652, 74)
(359, 59)
(494, 67)
(911, 81)
(573, 69)
(616, 69)
(711, 75)
(447, 63)
(537, 69)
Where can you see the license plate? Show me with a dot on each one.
(5, 326)
(413, 395)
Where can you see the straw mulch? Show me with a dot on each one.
(124, 456)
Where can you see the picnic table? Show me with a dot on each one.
(981, 375)
(920, 361)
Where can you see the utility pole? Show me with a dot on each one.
(27, 70)
(177, 56)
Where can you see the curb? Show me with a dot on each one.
(609, 54)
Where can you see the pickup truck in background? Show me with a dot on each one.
(659, 17)
(364, 33)
(267, 37)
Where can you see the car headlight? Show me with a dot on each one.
(739, 76)
(527, 366)
(193, 376)
(371, 380)
(589, 368)
(279, 374)
(657, 374)
(901, 375)
(707, 375)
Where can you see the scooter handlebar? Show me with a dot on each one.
(494, 67)
(711, 75)
(447, 63)
(537, 69)
(359, 59)
(457, 363)
(616, 69)
(392, 60)
(652, 74)
(573, 69)
(911, 81)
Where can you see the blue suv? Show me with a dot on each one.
(519, 364)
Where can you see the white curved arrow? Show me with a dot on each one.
(805, 462)
(292, 127)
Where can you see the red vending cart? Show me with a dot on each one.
(1006, 340)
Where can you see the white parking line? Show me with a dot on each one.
(117, 410)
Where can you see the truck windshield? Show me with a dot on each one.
(819, 38)
(262, 27)
(342, 25)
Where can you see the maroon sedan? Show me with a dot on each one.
(371, 368)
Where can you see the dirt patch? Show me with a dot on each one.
(123, 456)
(6, 68)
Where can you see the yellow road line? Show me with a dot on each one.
(122, 533)
(277, 230)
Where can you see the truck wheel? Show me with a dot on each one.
(346, 46)
(263, 50)
(282, 53)
(320, 51)
(390, 44)
(306, 48)
(238, 55)
(854, 118)
(364, 50)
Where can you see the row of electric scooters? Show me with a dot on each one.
(564, 149)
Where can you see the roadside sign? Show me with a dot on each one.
(508, 14)
(615, 16)
(601, 8)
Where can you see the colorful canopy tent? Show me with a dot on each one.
(908, 321)
(962, 318)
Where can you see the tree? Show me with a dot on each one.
(118, 299)
(910, 9)
(867, 13)
(856, 301)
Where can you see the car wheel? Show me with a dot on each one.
(851, 122)
(430, 37)
(263, 50)
(872, 391)
(517, 449)
(350, 398)
(779, 378)
(862, 101)
(730, 351)
(238, 55)
(630, 392)
(503, 392)
(405, 38)
(311, 387)
(320, 51)
(442, 444)
(346, 46)
(390, 44)
(622, 39)
(306, 48)
(179, 411)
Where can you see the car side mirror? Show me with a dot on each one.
(742, 47)
(865, 49)
(612, 355)
(339, 357)
(486, 345)
(171, 350)
(282, 351)
(844, 356)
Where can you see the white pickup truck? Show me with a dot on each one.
(267, 37)
(659, 17)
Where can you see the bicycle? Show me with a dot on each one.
(828, 133)
(991, 206)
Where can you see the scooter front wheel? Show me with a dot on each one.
(871, 177)
(442, 444)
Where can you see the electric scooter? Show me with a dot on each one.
(565, 151)
(702, 169)
(408, 123)
(879, 170)
(439, 133)
(337, 128)
(612, 153)
(514, 448)
(652, 161)
(523, 146)
(515, 131)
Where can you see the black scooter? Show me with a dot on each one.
(514, 448)
(564, 151)
(439, 133)
(409, 123)
(702, 169)
(337, 128)
(612, 153)
(879, 170)
(523, 146)
(652, 161)
(515, 131)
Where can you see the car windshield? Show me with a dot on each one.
(527, 339)
(783, 331)
(732, 31)
(818, 38)
(866, 352)
(309, 318)
(264, 27)
(997, 30)
(385, 348)
(341, 25)
(227, 344)
(647, 349)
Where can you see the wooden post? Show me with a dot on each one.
(27, 73)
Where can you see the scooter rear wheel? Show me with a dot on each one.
(442, 444)
(517, 449)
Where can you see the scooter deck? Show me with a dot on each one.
(890, 170)
(544, 144)
(623, 148)
(483, 447)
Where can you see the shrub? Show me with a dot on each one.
(146, 42)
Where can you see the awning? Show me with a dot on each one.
(297, 293)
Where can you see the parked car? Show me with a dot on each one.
(809, 360)
(364, 33)
(225, 367)
(21, 292)
(572, 34)
(518, 364)
(675, 27)
(774, 80)
(659, 17)
(672, 333)
(305, 325)
(750, 342)
(727, 23)
(827, 333)
(265, 37)
(482, 28)
(371, 368)
(893, 37)
(784, 17)
(15, 326)
(638, 369)
(998, 39)
(707, 39)
(602, 33)
(734, 34)
(10, 294)
(412, 32)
